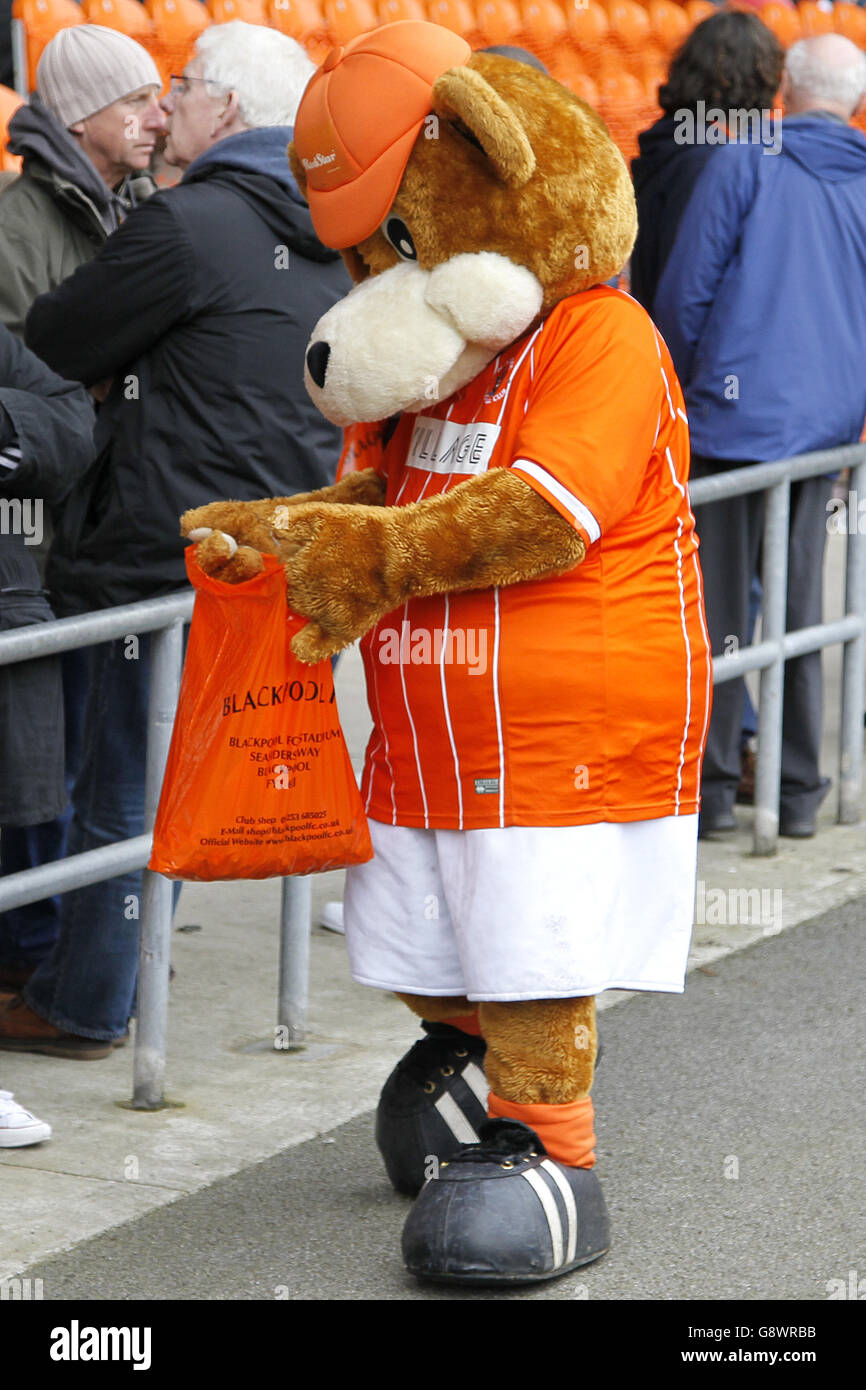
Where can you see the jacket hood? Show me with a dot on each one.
(256, 165)
(259, 151)
(35, 134)
(826, 149)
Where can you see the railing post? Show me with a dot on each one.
(295, 914)
(157, 896)
(768, 764)
(853, 662)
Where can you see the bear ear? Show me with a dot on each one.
(297, 169)
(479, 114)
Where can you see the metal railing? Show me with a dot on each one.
(770, 654)
(165, 617)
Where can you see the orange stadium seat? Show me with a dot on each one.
(9, 103)
(302, 20)
(669, 22)
(348, 18)
(850, 20)
(588, 24)
(629, 23)
(650, 67)
(698, 11)
(178, 24)
(126, 15)
(625, 108)
(813, 19)
(297, 18)
(784, 22)
(543, 22)
(42, 19)
(584, 87)
(498, 21)
(251, 11)
(452, 14)
(390, 11)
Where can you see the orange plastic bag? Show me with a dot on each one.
(258, 781)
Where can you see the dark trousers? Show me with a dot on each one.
(730, 536)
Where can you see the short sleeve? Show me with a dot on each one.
(592, 414)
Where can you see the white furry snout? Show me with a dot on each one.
(409, 337)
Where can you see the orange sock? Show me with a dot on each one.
(467, 1023)
(566, 1131)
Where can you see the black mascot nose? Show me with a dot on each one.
(317, 362)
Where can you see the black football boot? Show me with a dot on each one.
(502, 1212)
(434, 1100)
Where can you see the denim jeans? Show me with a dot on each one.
(86, 985)
(27, 934)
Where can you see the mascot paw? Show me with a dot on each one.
(245, 522)
(220, 556)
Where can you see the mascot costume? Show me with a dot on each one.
(511, 541)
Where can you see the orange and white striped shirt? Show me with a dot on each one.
(560, 701)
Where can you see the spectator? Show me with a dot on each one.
(763, 305)
(200, 308)
(46, 443)
(730, 62)
(86, 139)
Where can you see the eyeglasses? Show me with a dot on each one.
(178, 84)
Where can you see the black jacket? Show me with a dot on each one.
(200, 308)
(664, 175)
(51, 422)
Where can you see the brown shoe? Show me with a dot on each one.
(22, 1030)
(11, 981)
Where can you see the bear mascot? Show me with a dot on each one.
(511, 541)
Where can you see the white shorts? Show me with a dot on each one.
(548, 912)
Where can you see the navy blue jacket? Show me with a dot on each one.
(199, 308)
(763, 298)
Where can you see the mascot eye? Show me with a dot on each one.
(398, 235)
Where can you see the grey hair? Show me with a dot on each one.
(266, 69)
(811, 74)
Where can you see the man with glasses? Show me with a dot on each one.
(199, 309)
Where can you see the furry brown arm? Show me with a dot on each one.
(348, 566)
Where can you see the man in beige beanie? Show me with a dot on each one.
(86, 138)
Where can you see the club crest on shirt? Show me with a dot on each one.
(443, 446)
(500, 382)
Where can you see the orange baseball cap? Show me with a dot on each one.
(359, 118)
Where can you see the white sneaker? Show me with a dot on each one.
(331, 918)
(17, 1126)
